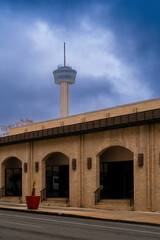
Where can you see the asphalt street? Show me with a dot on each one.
(19, 225)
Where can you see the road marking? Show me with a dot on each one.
(84, 224)
(21, 224)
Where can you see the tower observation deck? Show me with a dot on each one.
(64, 76)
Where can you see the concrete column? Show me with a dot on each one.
(64, 99)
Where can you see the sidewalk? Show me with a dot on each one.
(150, 218)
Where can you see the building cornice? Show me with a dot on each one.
(121, 121)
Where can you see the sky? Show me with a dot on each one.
(114, 45)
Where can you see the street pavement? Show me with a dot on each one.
(25, 225)
(149, 218)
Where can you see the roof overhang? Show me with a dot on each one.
(121, 121)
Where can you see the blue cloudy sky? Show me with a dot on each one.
(113, 44)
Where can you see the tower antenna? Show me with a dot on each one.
(64, 54)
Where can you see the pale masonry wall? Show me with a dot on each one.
(83, 181)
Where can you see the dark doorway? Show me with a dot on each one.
(116, 180)
(57, 181)
(13, 182)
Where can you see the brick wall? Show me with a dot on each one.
(83, 181)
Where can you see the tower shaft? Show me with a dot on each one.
(64, 99)
(64, 76)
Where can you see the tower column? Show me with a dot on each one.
(64, 99)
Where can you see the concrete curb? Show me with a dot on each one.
(80, 216)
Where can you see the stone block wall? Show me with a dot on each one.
(83, 181)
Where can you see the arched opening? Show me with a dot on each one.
(13, 177)
(57, 175)
(116, 173)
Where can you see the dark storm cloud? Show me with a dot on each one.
(63, 12)
(36, 103)
(88, 94)
(136, 25)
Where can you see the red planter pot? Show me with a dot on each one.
(32, 202)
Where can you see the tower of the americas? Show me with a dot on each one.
(64, 76)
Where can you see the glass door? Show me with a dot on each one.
(13, 182)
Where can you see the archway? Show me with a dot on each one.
(116, 173)
(57, 175)
(13, 177)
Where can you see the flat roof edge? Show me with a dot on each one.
(84, 113)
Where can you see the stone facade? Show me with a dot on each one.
(83, 182)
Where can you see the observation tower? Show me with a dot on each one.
(64, 76)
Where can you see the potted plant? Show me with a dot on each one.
(33, 201)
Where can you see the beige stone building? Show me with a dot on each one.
(104, 159)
